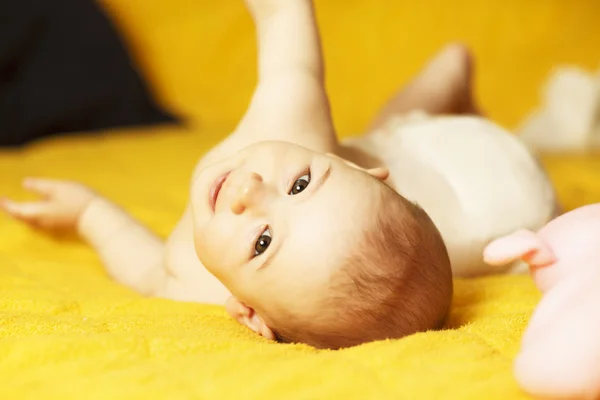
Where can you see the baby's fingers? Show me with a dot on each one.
(27, 211)
(43, 187)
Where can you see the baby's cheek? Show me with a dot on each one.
(202, 241)
(214, 245)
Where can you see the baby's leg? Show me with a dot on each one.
(443, 87)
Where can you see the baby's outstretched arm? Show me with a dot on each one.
(290, 102)
(131, 254)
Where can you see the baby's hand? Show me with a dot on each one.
(266, 8)
(61, 206)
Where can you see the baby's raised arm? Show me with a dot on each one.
(290, 102)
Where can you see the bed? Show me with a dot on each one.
(68, 331)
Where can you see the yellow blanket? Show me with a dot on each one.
(67, 331)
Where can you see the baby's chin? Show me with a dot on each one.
(199, 206)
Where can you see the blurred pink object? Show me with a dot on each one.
(560, 353)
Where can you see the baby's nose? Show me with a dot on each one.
(249, 193)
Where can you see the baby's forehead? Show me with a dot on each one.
(320, 235)
(316, 250)
(317, 241)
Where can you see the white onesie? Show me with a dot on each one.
(476, 181)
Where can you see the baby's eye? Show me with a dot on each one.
(300, 184)
(263, 242)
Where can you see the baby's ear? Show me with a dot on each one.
(523, 244)
(380, 173)
(347, 162)
(249, 317)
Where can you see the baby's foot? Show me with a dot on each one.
(443, 87)
(448, 80)
(560, 355)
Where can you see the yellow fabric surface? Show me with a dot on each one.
(68, 331)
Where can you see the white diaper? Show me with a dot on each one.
(475, 180)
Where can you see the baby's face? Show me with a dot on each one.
(274, 221)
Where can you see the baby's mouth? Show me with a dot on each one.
(215, 189)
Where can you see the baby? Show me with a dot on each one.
(305, 238)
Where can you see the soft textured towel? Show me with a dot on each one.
(68, 331)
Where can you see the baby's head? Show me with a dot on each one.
(317, 250)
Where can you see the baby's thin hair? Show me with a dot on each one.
(396, 282)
